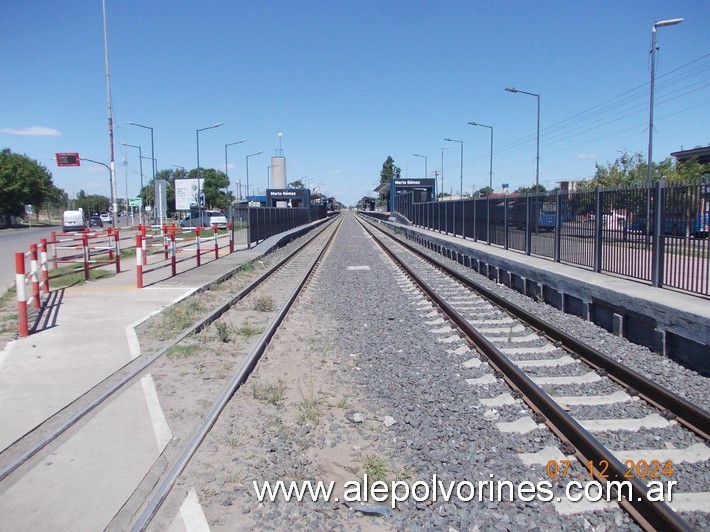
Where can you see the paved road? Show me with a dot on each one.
(12, 240)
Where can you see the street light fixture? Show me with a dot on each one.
(461, 185)
(442, 168)
(199, 185)
(537, 166)
(426, 162)
(226, 168)
(247, 158)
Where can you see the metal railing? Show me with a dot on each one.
(604, 230)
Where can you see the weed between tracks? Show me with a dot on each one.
(273, 394)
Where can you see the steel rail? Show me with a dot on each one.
(240, 377)
(134, 369)
(649, 514)
(687, 413)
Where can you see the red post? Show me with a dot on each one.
(197, 245)
(143, 243)
(216, 242)
(43, 265)
(85, 245)
(172, 251)
(166, 241)
(231, 237)
(109, 234)
(34, 272)
(117, 244)
(53, 240)
(22, 322)
(139, 260)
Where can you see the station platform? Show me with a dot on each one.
(89, 334)
(668, 322)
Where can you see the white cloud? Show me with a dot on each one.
(33, 131)
(586, 156)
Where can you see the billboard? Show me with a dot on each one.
(187, 192)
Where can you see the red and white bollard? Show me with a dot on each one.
(139, 261)
(34, 272)
(22, 321)
(216, 242)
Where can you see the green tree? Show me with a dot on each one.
(214, 187)
(531, 189)
(23, 181)
(297, 184)
(485, 191)
(91, 203)
(389, 171)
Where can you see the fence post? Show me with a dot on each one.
(34, 272)
(528, 227)
(598, 231)
(248, 211)
(216, 242)
(117, 246)
(230, 230)
(558, 226)
(506, 229)
(166, 241)
(139, 260)
(20, 288)
(43, 265)
(173, 251)
(85, 245)
(197, 246)
(109, 234)
(143, 244)
(657, 250)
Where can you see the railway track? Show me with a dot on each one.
(582, 395)
(252, 319)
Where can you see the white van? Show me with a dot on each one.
(73, 221)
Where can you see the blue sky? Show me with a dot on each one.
(348, 83)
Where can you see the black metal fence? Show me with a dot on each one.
(604, 230)
(252, 225)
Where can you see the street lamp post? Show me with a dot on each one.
(226, 168)
(461, 184)
(426, 162)
(490, 168)
(463, 203)
(247, 158)
(537, 167)
(140, 166)
(199, 185)
(152, 155)
(659, 24)
(442, 167)
(490, 183)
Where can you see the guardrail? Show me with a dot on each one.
(171, 240)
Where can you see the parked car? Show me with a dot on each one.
(209, 218)
(105, 217)
(95, 221)
(72, 221)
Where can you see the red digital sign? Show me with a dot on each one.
(68, 159)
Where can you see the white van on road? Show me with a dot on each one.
(73, 221)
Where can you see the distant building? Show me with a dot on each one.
(701, 154)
